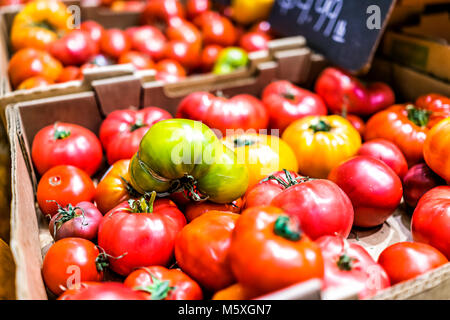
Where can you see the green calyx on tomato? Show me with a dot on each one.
(60, 133)
(243, 142)
(419, 117)
(102, 260)
(230, 59)
(144, 204)
(137, 125)
(67, 214)
(289, 95)
(291, 181)
(345, 262)
(321, 125)
(158, 290)
(284, 227)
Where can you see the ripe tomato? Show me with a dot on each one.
(80, 221)
(34, 82)
(387, 152)
(320, 143)
(374, 189)
(319, 205)
(419, 180)
(264, 27)
(69, 260)
(148, 40)
(350, 265)
(286, 103)
(216, 29)
(139, 60)
(114, 42)
(196, 209)
(254, 41)
(196, 7)
(102, 291)
(187, 54)
(436, 148)
(243, 111)
(122, 130)
(357, 122)
(114, 187)
(235, 292)
(159, 12)
(260, 235)
(202, 248)
(63, 184)
(169, 71)
(74, 48)
(262, 154)
(159, 283)
(140, 233)
(70, 73)
(69, 144)
(209, 56)
(93, 29)
(183, 30)
(431, 219)
(29, 62)
(407, 125)
(407, 260)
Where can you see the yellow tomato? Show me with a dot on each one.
(321, 142)
(263, 154)
(249, 11)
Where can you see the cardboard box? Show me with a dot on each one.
(425, 47)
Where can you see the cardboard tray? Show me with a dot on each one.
(29, 231)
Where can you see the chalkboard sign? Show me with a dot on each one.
(346, 32)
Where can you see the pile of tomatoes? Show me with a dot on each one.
(237, 197)
(174, 39)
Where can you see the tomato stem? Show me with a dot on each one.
(321, 125)
(143, 204)
(60, 133)
(243, 142)
(419, 117)
(158, 290)
(284, 227)
(66, 214)
(189, 185)
(102, 260)
(291, 181)
(288, 95)
(345, 262)
(137, 125)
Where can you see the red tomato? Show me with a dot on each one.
(350, 265)
(268, 251)
(114, 42)
(147, 39)
(183, 30)
(374, 189)
(264, 27)
(74, 48)
(254, 41)
(122, 130)
(263, 193)
(159, 283)
(94, 29)
(194, 210)
(243, 111)
(188, 55)
(63, 185)
(102, 291)
(34, 82)
(70, 260)
(419, 180)
(431, 219)
(196, 7)
(343, 92)
(139, 60)
(140, 233)
(169, 71)
(70, 73)
(286, 103)
(66, 143)
(80, 221)
(387, 152)
(357, 122)
(216, 29)
(209, 56)
(159, 12)
(320, 207)
(201, 249)
(407, 260)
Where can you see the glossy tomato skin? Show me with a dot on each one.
(209, 56)
(286, 103)
(196, 7)
(159, 12)
(34, 82)
(255, 251)
(320, 207)
(66, 144)
(93, 29)
(357, 123)
(262, 154)
(194, 210)
(183, 30)
(184, 288)
(65, 51)
(63, 184)
(431, 219)
(217, 29)
(254, 41)
(202, 249)
(147, 39)
(262, 193)
(406, 260)
(187, 54)
(102, 291)
(436, 149)
(407, 126)
(373, 187)
(239, 112)
(63, 256)
(139, 60)
(114, 42)
(235, 292)
(114, 187)
(387, 152)
(350, 265)
(169, 70)
(29, 62)
(70, 73)
(340, 90)
(146, 238)
(80, 221)
(320, 143)
(419, 180)
(122, 130)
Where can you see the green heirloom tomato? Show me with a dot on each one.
(181, 154)
(230, 59)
